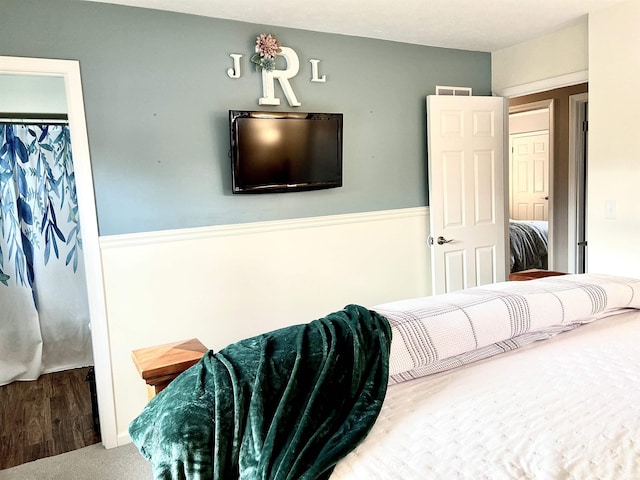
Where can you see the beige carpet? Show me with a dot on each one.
(89, 463)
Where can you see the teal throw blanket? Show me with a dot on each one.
(285, 405)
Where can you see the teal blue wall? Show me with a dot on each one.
(157, 98)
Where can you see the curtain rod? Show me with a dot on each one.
(34, 118)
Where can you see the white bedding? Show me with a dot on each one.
(563, 408)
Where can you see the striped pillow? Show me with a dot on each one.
(433, 334)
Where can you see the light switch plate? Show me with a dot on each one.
(610, 209)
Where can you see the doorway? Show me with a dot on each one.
(566, 205)
(530, 184)
(69, 71)
(46, 354)
(43, 293)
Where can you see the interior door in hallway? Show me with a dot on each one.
(530, 176)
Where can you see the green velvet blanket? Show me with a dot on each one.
(288, 404)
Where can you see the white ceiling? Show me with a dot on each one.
(463, 24)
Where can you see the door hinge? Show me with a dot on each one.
(585, 126)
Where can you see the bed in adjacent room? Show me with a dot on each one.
(527, 380)
(529, 244)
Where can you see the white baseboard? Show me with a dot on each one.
(123, 439)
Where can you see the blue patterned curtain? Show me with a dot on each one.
(44, 320)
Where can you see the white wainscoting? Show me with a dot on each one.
(221, 284)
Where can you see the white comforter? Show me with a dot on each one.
(564, 408)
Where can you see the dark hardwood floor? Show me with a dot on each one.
(45, 417)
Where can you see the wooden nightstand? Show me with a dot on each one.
(160, 364)
(533, 274)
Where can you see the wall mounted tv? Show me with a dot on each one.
(283, 152)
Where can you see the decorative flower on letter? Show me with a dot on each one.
(267, 47)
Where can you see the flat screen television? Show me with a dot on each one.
(285, 151)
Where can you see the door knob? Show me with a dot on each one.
(441, 240)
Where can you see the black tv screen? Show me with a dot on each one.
(281, 152)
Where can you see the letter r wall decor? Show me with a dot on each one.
(267, 50)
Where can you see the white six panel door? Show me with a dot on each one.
(530, 176)
(467, 191)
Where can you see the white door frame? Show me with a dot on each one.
(70, 71)
(538, 106)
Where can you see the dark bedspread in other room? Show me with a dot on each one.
(529, 244)
(288, 404)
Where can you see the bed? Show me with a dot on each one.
(559, 402)
(527, 380)
(529, 244)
